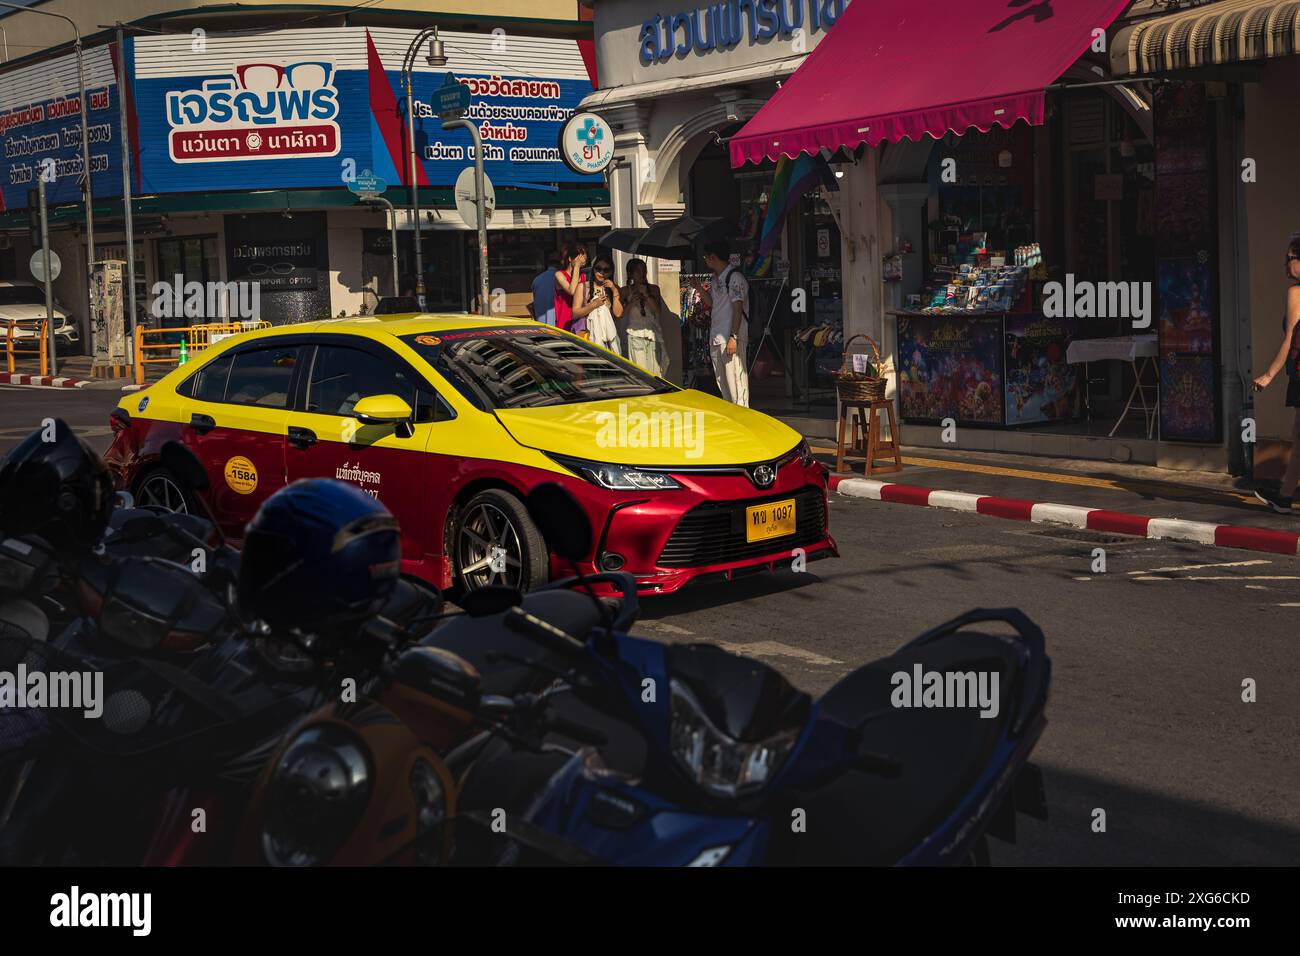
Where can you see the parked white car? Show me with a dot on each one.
(24, 302)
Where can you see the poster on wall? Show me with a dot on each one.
(1187, 391)
(1186, 326)
(40, 129)
(1040, 385)
(1187, 304)
(950, 367)
(311, 108)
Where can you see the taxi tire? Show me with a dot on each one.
(536, 557)
(166, 474)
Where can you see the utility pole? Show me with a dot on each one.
(480, 199)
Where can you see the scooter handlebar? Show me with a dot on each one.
(543, 632)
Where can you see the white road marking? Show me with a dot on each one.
(1201, 567)
(1227, 577)
(1085, 578)
(1291, 604)
(776, 649)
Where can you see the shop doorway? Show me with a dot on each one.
(795, 339)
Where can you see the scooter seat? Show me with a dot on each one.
(473, 638)
(863, 818)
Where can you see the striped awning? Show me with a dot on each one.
(1228, 31)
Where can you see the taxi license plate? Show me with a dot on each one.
(772, 520)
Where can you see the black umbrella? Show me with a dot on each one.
(624, 240)
(677, 238)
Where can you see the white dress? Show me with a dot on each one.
(602, 330)
(645, 345)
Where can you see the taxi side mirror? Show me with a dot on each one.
(382, 410)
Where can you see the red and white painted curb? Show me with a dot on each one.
(1074, 516)
(45, 381)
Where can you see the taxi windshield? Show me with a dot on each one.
(525, 367)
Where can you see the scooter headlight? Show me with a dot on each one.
(317, 795)
(720, 764)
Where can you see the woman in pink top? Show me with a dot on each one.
(568, 283)
(571, 303)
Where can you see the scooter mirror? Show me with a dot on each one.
(560, 518)
(491, 599)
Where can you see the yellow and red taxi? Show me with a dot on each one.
(452, 420)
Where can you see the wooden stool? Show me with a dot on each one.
(875, 446)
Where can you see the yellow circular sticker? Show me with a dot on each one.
(428, 340)
(241, 475)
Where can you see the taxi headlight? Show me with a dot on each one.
(619, 477)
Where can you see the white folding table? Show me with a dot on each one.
(1140, 352)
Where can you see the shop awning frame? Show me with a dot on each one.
(1229, 31)
(887, 73)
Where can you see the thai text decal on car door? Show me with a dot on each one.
(326, 440)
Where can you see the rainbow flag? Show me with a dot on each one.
(793, 178)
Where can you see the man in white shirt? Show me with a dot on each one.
(728, 299)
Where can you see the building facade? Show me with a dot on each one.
(245, 137)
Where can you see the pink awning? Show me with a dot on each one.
(894, 69)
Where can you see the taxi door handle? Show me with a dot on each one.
(202, 423)
(301, 437)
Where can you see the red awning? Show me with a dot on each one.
(895, 69)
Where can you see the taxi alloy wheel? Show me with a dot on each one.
(498, 544)
(161, 489)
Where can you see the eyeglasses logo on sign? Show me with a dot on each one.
(260, 111)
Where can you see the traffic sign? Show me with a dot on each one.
(586, 143)
(367, 185)
(452, 98)
(37, 265)
(466, 203)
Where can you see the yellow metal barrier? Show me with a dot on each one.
(197, 338)
(12, 351)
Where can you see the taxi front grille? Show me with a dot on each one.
(714, 533)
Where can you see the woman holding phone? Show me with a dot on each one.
(600, 320)
(572, 301)
(1287, 357)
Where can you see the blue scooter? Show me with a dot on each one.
(695, 756)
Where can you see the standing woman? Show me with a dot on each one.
(572, 304)
(1288, 357)
(643, 306)
(601, 319)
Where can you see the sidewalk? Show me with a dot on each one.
(74, 372)
(1209, 508)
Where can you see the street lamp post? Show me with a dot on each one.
(436, 57)
(85, 154)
